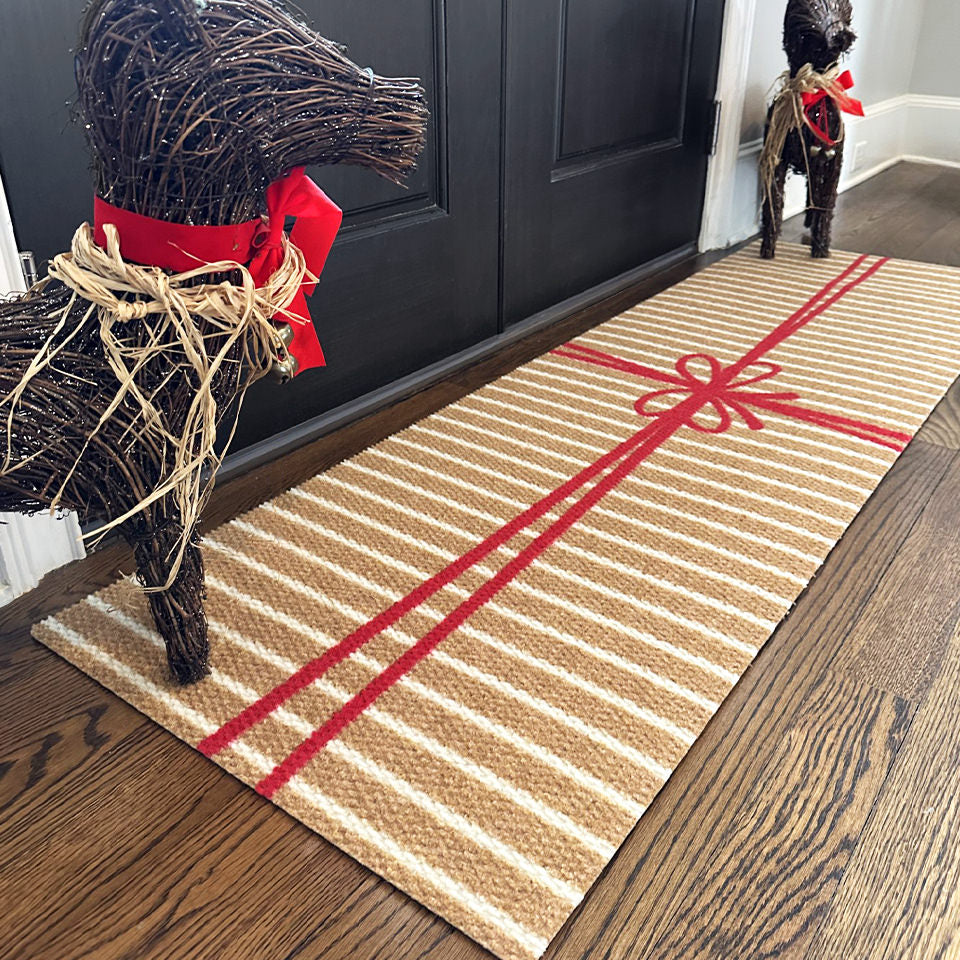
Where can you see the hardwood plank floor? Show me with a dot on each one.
(654, 881)
(815, 816)
(793, 835)
(900, 895)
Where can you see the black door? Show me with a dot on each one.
(412, 278)
(607, 108)
(566, 146)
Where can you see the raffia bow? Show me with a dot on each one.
(120, 292)
(788, 114)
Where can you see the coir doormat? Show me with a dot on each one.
(472, 655)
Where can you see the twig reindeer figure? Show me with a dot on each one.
(805, 123)
(117, 368)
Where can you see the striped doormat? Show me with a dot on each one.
(472, 655)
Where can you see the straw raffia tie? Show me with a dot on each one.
(788, 114)
(122, 292)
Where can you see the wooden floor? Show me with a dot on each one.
(818, 816)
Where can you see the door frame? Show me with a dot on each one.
(11, 276)
(29, 546)
(735, 49)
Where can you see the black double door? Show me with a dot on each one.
(567, 146)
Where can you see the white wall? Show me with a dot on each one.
(936, 69)
(906, 67)
(29, 546)
(933, 121)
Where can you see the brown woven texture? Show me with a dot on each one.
(496, 779)
(191, 108)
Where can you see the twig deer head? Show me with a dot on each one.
(817, 32)
(192, 108)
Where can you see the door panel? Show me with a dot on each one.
(601, 63)
(42, 154)
(607, 108)
(413, 39)
(413, 276)
(566, 146)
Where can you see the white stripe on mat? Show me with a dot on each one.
(581, 777)
(538, 704)
(490, 914)
(439, 811)
(635, 546)
(619, 516)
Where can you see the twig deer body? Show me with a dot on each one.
(816, 35)
(192, 109)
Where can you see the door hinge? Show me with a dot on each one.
(28, 267)
(713, 131)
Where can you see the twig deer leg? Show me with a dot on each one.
(178, 610)
(773, 213)
(823, 194)
(808, 215)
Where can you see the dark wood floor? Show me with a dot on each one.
(817, 816)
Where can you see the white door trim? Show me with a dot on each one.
(731, 91)
(11, 276)
(33, 546)
(29, 546)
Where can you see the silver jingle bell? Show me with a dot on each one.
(285, 333)
(283, 371)
(830, 154)
(816, 150)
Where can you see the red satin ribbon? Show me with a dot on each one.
(257, 244)
(820, 126)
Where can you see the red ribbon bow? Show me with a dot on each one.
(719, 394)
(819, 123)
(256, 243)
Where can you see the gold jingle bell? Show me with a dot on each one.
(284, 370)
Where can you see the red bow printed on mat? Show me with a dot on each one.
(257, 243)
(816, 117)
(722, 397)
(722, 390)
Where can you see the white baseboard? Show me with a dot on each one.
(912, 158)
(33, 546)
(912, 127)
(29, 546)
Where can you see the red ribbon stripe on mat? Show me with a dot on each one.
(728, 392)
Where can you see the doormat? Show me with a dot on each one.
(472, 655)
